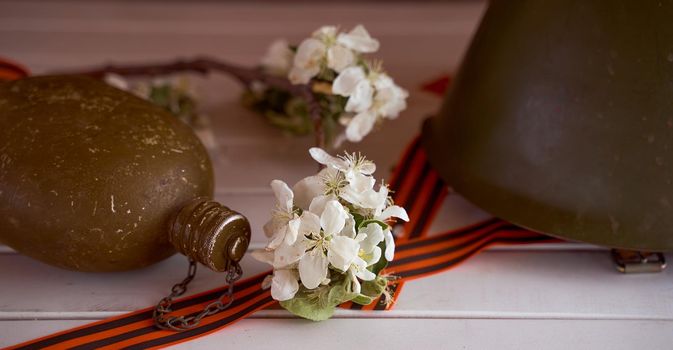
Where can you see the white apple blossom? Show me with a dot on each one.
(371, 97)
(284, 223)
(353, 83)
(369, 249)
(312, 186)
(342, 232)
(326, 33)
(338, 57)
(350, 164)
(337, 60)
(358, 39)
(307, 61)
(284, 284)
(390, 244)
(278, 58)
(284, 281)
(356, 170)
(329, 49)
(324, 244)
(358, 271)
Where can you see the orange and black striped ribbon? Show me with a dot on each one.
(417, 187)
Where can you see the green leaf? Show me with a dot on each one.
(319, 304)
(366, 223)
(363, 299)
(161, 95)
(371, 290)
(341, 291)
(375, 287)
(307, 309)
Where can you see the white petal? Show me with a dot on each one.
(347, 80)
(266, 283)
(342, 251)
(355, 284)
(390, 245)
(299, 75)
(368, 199)
(313, 268)
(365, 275)
(333, 218)
(274, 225)
(353, 197)
(359, 40)
(278, 58)
(383, 81)
(382, 198)
(325, 32)
(374, 236)
(391, 101)
(360, 267)
(318, 204)
(278, 238)
(309, 54)
(367, 168)
(283, 194)
(394, 211)
(349, 227)
(324, 158)
(292, 230)
(310, 223)
(361, 237)
(286, 255)
(306, 189)
(263, 255)
(307, 61)
(284, 285)
(361, 98)
(360, 182)
(117, 81)
(374, 256)
(360, 126)
(339, 57)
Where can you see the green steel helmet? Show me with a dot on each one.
(560, 120)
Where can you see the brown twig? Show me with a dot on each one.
(205, 65)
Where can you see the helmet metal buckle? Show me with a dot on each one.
(631, 261)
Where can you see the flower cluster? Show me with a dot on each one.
(329, 237)
(358, 92)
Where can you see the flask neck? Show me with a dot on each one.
(209, 233)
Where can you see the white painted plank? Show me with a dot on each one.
(341, 334)
(97, 32)
(567, 297)
(552, 284)
(240, 13)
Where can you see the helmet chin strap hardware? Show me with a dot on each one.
(631, 261)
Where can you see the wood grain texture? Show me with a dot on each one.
(505, 334)
(539, 296)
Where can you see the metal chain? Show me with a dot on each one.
(182, 323)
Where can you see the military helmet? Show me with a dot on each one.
(560, 120)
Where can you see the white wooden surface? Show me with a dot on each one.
(534, 297)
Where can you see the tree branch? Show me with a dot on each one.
(206, 65)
